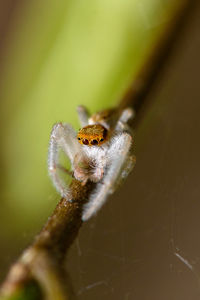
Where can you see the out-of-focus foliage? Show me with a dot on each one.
(59, 54)
(29, 292)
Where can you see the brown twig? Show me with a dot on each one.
(47, 252)
(41, 262)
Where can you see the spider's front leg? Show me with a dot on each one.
(118, 166)
(83, 115)
(63, 137)
(122, 123)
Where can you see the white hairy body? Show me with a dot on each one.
(107, 164)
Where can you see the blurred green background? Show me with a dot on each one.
(55, 55)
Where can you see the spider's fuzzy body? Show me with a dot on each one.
(101, 152)
(91, 163)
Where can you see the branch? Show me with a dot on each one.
(43, 259)
(38, 272)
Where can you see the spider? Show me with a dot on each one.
(101, 152)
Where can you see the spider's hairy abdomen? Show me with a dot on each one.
(102, 116)
(92, 135)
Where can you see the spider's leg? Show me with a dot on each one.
(83, 115)
(126, 115)
(117, 156)
(60, 167)
(126, 169)
(63, 137)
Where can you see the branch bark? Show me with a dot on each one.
(39, 269)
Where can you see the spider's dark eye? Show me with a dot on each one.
(85, 142)
(94, 142)
(79, 138)
(101, 140)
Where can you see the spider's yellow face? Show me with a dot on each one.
(92, 135)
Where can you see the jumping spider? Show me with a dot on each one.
(100, 152)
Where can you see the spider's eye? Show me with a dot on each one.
(94, 142)
(85, 142)
(101, 140)
(79, 138)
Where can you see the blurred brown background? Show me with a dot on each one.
(145, 242)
